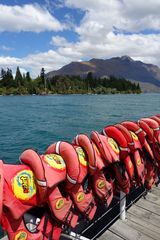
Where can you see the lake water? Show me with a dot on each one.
(37, 121)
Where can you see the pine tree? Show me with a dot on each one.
(28, 78)
(6, 78)
(89, 81)
(18, 78)
(42, 76)
(2, 74)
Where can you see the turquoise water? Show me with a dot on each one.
(37, 121)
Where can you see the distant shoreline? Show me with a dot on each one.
(52, 94)
(24, 85)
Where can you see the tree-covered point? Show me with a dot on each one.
(23, 84)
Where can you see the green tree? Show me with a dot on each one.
(138, 88)
(28, 77)
(89, 80)
(42, 75)
(6, 78)
(2, 74)
(19, 78)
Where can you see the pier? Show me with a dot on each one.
(142, 220)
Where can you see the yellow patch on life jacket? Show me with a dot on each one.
(80, 197)
(55, 161)
(113, 145)
(21, 236)
(81, 156)
(134, 136)
(59, 203)
(23, 185)
(100, 184)
(139, 162)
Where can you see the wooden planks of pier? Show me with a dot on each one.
(142, 222)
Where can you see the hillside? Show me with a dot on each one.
(147, 75)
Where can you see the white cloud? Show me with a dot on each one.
(136, 46)
(29, 17)
(139, 47)
(9, 61)
(59, 41)
(96, 30)
(6, 48)
(126, 15)
(97, 38)
(33, 63)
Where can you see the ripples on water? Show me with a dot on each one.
(37, 121)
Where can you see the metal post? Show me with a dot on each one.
(122, 205)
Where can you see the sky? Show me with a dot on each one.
(53, 33)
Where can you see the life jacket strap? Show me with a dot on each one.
(106, 197)
(50, 229)
(41, 183)
(123, 187)
(156, 129)
(131, 144)
(58, 147)
(109, 193)
(104, 133)
(45, 222)
(138, 131)
(69, 217)
(56, 232)
(123, 149)
(89, 208)
(71, 180)
(91, 167)
(76, 140)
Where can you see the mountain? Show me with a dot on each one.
(148, 75)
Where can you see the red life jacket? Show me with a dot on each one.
(157, 119)
(110, 153)
(150, 174)
(151, 139)
(19, 196)
(114, 133)
(54, 172)
(136, 151)
(20, 190)
(19, 229)
(102, 188)
(127, 160)
(76, 164)
(147, 130)
(154, 125)
(144, 151)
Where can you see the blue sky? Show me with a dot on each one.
(50, 34)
